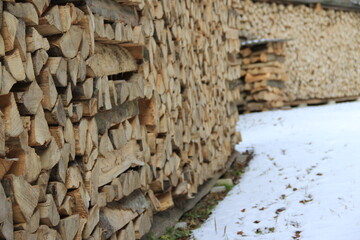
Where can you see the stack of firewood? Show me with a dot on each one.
(263, 75)
(109, 110)
(322, 63)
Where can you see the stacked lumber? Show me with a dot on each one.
(263, 75)
(321, 62)
(110, 111)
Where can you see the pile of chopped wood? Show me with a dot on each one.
(109, 110)
(322, 63)
(263, 76)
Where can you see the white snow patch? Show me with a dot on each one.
(305, 177)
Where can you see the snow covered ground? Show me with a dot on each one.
(304, 182)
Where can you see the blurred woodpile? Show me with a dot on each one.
(263, 76)
(110, 111)
(322, 59)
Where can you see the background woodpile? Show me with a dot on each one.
(263, 76)
(323, 57)
(110, 110)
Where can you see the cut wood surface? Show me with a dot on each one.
(111, 111)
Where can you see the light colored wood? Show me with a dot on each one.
(50, 156)
(73, 69)
(118, 114)
(58, 191)
(34, 41)
(7, 81)
(165, 200)
(2, 46)
(13, 122)
(73, 178)
(57, 116)
(94, 217)
(81, 200)
(28, 166)
(114, 11)
(110, 60)
(118, 136)
(59, 172)
(8, 30)
(142, 224)
(48, 212)
(128, 157)
(23, 195)
(127, 233)
(44, 233)
(58, 69)
(80, 132)
(3, 211)
(40, 5)
(14, 65)
(119, 214)
(50, 22)
(41, 185)
(66, 18)
(29, 68)
(32, 225)
(6, 230)
(2, 135)
(47, 85)
(68, 227)
(20, 42)
(25, 11)
(39, 134)
(84, 90)
(39, 60)
(77, 112)
(68, 44)
(68, 206)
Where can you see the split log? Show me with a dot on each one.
(68, 227)
(39, 134)
(13, 123)
(47, 85)
(31, 226)
(110, 60)
(50, 156)
(8, 30)
(58, 69)
(114, 11)
(28, 165)
(48, 212)
(118, 214)
(14, 65)
(41, 5)
(34, 41)
(25, 11)
(23, 196)
(29, 100)
(68, 44)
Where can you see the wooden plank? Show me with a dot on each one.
(316, 101)
(331, 4)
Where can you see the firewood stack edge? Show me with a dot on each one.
(323, 57)
(263, 75)
(110, 111)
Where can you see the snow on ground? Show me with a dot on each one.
(304, 182)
